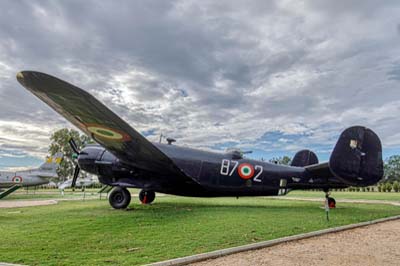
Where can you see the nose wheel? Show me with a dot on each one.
(147, 196)
(119, 198)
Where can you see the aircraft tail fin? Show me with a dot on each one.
(357, 157)
(52, 162)
(304, 158)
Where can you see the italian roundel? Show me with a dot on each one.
(107, 133)
(246, 170)
(17, 179)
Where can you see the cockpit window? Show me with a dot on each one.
(108, 156)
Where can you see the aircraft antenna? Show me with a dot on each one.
(170, 141)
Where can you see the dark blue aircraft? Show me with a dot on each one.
(125, 159)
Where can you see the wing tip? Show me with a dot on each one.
(23, 76)
(20, 75)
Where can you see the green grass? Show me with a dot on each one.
(23, 195)
(91, 233)
(31, 194)
(392, 196)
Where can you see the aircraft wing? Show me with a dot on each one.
(96, 120)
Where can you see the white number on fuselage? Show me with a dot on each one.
(226, 166)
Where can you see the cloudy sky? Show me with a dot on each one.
(270, 76)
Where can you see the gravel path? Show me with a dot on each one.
(376, 244)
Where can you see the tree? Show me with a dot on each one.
(59, 143)
(389, 187)
(392, 168)
(396, 186)
(286, 160)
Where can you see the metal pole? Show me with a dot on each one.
(327, 208)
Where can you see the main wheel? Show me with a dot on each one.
(119, 198)
(147, 196)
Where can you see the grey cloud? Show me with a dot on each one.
(394, 73)
(249, 67)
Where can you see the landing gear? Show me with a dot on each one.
(331, 201)
(147, 196)
(119, 198)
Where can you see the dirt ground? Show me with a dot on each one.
(25, 203)
(371, 245)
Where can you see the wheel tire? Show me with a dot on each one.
(331, 203)
(147, 196)
(119, 198)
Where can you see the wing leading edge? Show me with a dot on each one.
(96, 120)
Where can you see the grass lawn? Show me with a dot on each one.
(51, 194)
(393, 196)
(91, 233)
(31, 194)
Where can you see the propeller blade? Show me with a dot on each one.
(76, 174)
(73, 145)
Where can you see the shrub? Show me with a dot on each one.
(389, 187)
(396, 186)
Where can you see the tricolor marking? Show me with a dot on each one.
(246, 171)
(17, 179)
(107, 133)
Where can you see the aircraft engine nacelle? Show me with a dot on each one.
(87, 158)
(357, 157)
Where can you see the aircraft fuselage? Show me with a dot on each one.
(213, 173)
(23, 178)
